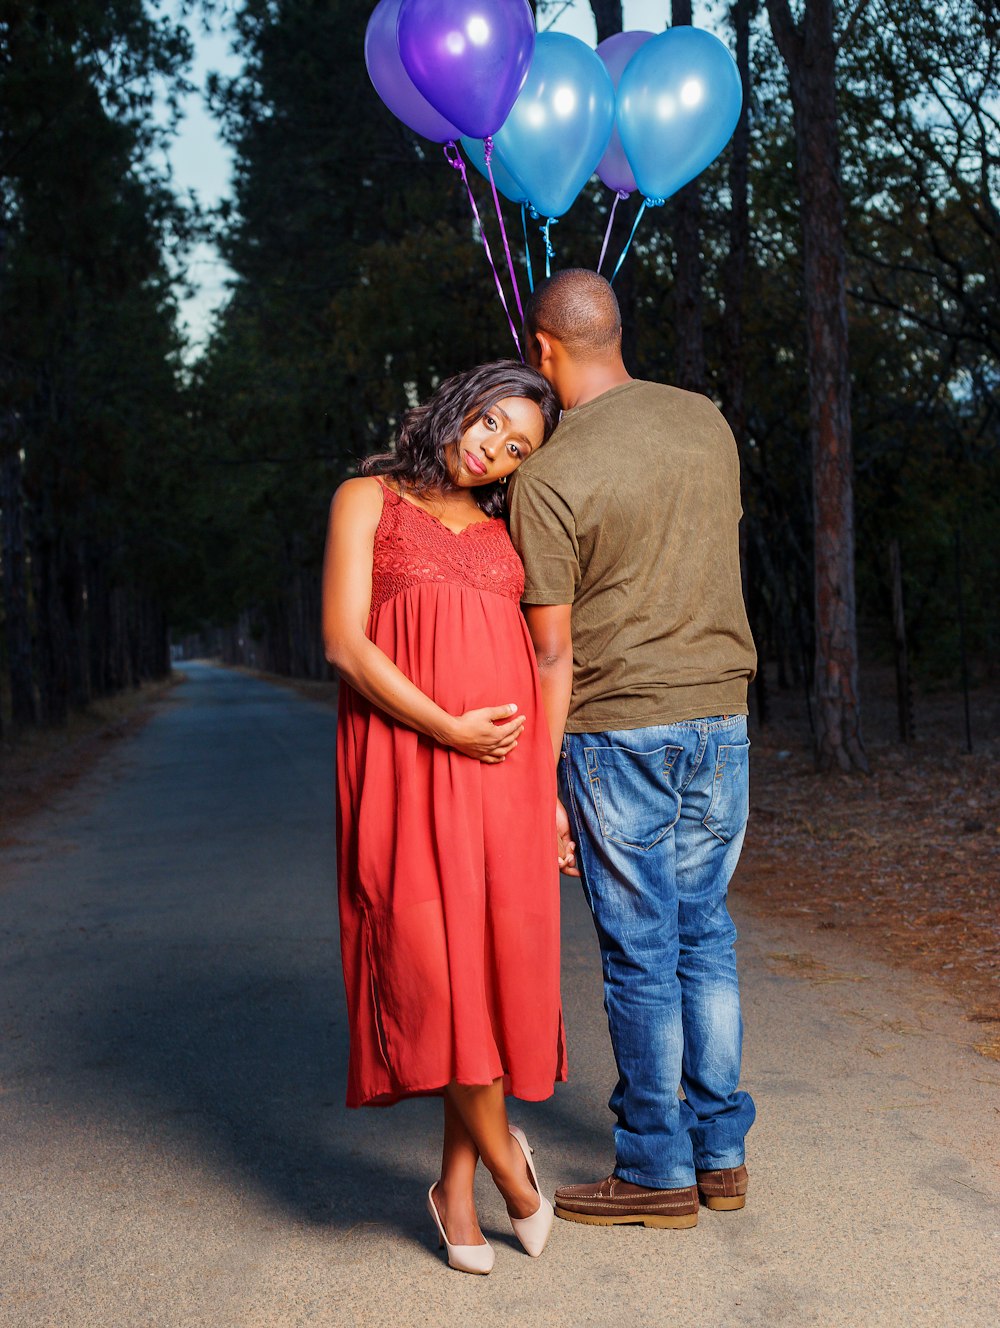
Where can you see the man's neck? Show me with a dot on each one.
(594, 380)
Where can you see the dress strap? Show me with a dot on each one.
(387, 492)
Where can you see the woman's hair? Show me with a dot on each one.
(418, 462)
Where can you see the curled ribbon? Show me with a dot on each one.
(550, 252)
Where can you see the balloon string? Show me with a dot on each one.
(550, 252)
(488, 152)
(646, 202)
(459, 165)
(527, 251)
(619, 195)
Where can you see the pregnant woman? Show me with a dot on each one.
(447, 852)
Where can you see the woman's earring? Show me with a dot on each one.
(502, 480)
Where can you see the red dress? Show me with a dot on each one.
(448, 882)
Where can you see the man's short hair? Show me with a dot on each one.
(579, 309)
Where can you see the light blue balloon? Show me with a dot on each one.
(679, 101)
(559, 126)
(475, 150)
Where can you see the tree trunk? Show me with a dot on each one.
(13, 556)
(809, 53)
(276, 639)
(734, 289)
(99, 620)
(607, 16)
(686, 208)
(118, 655)
(735, 266)
(53, 629)
(904, 689)
(153, 640)
(134, 626)
(17, 621)
(73, 587)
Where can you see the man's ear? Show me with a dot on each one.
(545, 350)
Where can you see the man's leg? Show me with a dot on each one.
(623, 806)
(708, 837)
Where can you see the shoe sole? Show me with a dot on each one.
(679, 1223)
(718, 1204)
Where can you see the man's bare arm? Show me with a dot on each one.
(552, 637)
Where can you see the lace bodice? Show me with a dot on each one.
(413, 548)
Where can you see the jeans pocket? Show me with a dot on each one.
(730, 805)
(633, 798)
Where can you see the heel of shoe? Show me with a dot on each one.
(724, 1189)
(720, 1204)
(463, 1258)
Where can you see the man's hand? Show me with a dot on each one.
(565, 845)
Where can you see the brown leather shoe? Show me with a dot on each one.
(723, 1190)
(611, 1201)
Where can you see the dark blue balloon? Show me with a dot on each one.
(679, 101)
(559, 126)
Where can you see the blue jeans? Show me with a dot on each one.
(658, 816)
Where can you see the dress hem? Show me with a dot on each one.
(393, 1096)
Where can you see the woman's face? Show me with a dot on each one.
(496, 444)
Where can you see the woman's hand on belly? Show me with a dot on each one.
(487, 734)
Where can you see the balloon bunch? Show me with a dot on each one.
(539, 114)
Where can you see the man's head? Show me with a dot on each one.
(573, 333)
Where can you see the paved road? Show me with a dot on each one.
(175, 1149)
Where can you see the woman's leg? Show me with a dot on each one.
(483, 1113)
(453, 1195)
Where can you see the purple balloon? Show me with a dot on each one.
(469, 58)
(393, 83)
(616, 51)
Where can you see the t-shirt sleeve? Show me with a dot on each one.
(544, 534)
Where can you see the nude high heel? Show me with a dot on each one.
(532, 1231)
(465, 1258)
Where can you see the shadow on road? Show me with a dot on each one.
(247, 1064)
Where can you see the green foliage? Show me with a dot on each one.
(89, 389)
(360, 283)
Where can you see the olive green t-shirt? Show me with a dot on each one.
(630, 513)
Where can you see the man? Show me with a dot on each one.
(627, 524)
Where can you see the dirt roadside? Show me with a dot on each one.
(37, 764)
(904, 862)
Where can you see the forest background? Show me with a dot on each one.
(148, 495)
